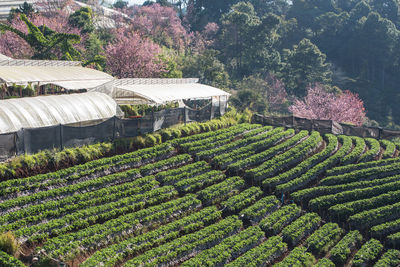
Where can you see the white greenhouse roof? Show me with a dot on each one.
(161, 91)
(4, 57)
(72, 77)
(42, 111)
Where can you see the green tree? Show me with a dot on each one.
(25, 8)
(46, 43)
(120, 4)
(82, 19)
(207, 68)
(303, 65)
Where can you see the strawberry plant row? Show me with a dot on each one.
(100, 235)
(187, 246)
(367, 253)
(301, 228)
(263, 255)
(117, 253)
(260, 209)
(343, 249)
(219, 192)
(229, 249)
(288, 158)
(244, 199)
(250, 137)
(304, 166)
(222, 161)
(261, 157)
(276, 221)
(314, 173)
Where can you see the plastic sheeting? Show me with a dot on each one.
(44, 111)
(161, 91)
(23, 75)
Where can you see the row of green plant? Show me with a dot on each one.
(390, 258)
(359, 166)
(324, 238)
(297, 257)
(368, 253)
(374, 148)
(229, 249)
(313, 192)
(88, 170)
(301, 228)
(368, 218)
(264, 254)
(117, 253)
(172, 176)
(356, 153)
(52, 160)
(199, 182)
(83, 218)
(363, 174)
(385, 228)
(246, 139)
(188, 245)
(343, 249)
(304, 166)
(279, 219)
(70, 245)
(217, 138)
(324, 262)
(58, 208)
(217, 193)
(261, 209)
(93, 184)
(252, 150)
(269, 153)
(394, 239)
(314, 173)
(247, 197)
(246, 145)
(323, 202)
(342, 211)
(292, 156)
(6, 260)
(390, 148)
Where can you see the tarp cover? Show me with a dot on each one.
(164, 93)
(43, 111)
(83, 78)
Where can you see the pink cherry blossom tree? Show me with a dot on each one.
(162, 24)
(14, 46)
(346, 107)
(132, 56)
(276, 94)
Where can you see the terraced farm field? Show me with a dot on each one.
(247, 195)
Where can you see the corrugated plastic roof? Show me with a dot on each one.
(80, 77)
(43, 111)
(160, 91)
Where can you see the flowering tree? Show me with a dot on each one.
(25, 38)
(162, 24)
(276, 94)
(319, 104)
(131, 56)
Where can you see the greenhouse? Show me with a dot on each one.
(43, 111)
(163, 91)
(68, 77)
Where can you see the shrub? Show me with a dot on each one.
(158, 138)
(8, 243)
(176, 133)
(166, 135)
(138, 142)
(150, 140)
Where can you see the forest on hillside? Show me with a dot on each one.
(326, 59)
